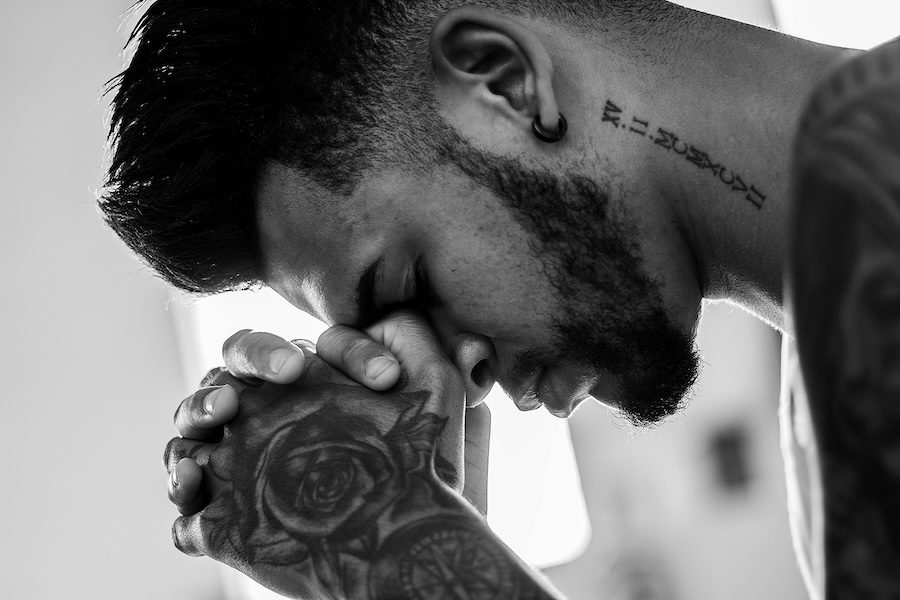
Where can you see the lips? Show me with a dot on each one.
(528, 401)
(559, 389)
(562, 389)
(557, 404)
(527, 397)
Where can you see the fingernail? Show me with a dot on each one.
(278, 358)
(377, 366)
(175, 478)
(304, 344)
(209, 403)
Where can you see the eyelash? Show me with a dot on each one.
(421, 295)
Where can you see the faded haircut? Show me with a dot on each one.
(215, 88)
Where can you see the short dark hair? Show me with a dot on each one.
(216, 88)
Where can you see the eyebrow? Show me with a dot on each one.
(367, 310)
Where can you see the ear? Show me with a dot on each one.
(491, 73)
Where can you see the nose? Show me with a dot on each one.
(472, 354)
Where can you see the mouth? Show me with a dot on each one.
(528, 399)
(563, 390)
(559, 390)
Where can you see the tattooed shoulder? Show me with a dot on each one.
(844, 275)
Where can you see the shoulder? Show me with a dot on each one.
(843, 282)
(844, 263)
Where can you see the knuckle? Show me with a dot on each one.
(200, 454)
(482, 412)
(184, 412)
(168, 453)
(215, 376)
(252, 343)
(182, 537)
(354, 348)
(305, 344)
(234, 341)
(443, 377)
(176, 538)
(179, 448)
(332, 337)
(318, 370)
(258, 348)
(405, 318)
(410, 316)
(192, 406)
(404, 324)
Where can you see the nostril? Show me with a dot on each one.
(481, 374)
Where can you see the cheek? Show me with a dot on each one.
(669, 260)
(501, 296)
(484, 272)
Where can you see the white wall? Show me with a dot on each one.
(856, 24)
(757, 12)
(89, 372)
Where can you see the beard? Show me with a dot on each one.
(609, 313)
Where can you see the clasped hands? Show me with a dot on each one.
(290, 446)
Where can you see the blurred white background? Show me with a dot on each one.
(90, 365)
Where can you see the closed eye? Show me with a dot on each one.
(418, 294)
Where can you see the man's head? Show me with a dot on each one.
(303, 145)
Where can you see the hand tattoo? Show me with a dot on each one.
(341, 497)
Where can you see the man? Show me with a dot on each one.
(554, 185)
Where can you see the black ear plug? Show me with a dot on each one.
(545, 135)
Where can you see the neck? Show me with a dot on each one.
(720, 105)
(745, 89)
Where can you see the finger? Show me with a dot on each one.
(219, 376)
(319, 372)
(359, 356)
(305, 345)
(478, 435)
(201, 415)
(425, 366)
(478, 442)
(260, 355)
(409, 337)
(187, 535)
(185, 488)
(179, 448)
(315, 370)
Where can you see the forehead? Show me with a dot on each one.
(304, 235)
(299, 218)
(316, 244)
(283, 191)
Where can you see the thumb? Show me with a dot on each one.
(413, 342)
(424, 366)
(254, 355)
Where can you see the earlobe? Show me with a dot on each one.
(484, 60)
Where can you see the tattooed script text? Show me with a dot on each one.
(666, 139)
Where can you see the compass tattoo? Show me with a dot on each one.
(442, 559)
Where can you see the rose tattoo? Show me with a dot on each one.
(321, 493)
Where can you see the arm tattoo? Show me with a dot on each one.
(845, 278)
(614, 115)
(349, 502)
